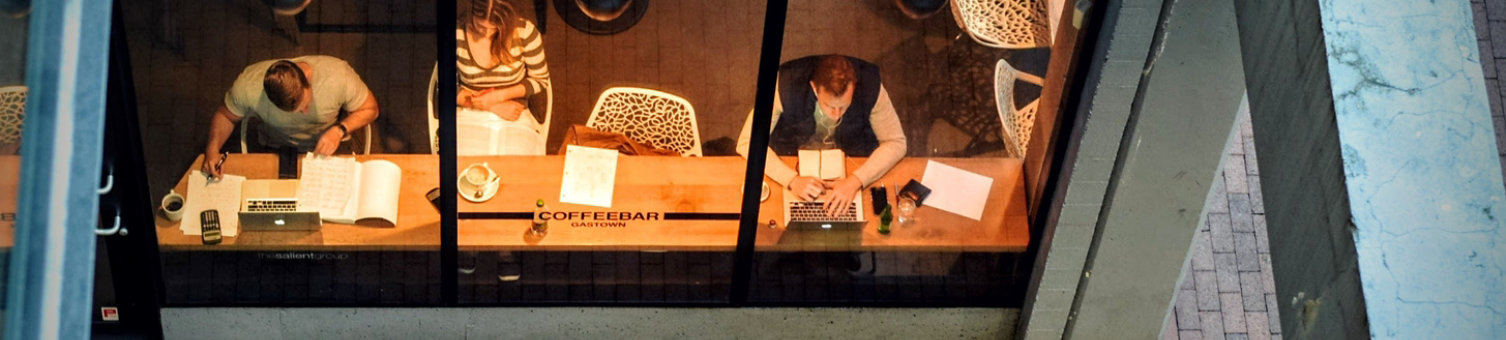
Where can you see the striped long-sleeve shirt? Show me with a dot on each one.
(528, 65)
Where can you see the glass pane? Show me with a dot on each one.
(262, 84)
(666, 83)
(13, 30)
(876, 100)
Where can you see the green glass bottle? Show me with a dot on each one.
(540, 225)
(885, 218)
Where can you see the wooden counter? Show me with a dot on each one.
(696, 202)
(10, 188)
(1004, 227)
(417, 229)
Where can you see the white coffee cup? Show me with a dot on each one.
(478, 178)
(172, 206)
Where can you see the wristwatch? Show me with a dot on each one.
(343, 132)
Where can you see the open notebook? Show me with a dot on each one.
(346, 191)
(480, 133)
(826, 164)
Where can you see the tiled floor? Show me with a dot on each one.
(1229, 292)
(184, 55)
(941, 83)
(12, 50)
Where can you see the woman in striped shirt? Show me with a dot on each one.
(501, 62)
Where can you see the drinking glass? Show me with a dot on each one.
(905, 210)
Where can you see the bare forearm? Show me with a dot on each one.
(363, 115)
(510, 92)
(220, 128)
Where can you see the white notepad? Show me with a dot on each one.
(955, 190)
(590, 174)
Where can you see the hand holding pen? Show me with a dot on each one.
(214, 164)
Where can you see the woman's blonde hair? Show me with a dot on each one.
(502, 15)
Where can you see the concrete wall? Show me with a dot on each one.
(1170, 156)
(1113, 76)
(588, 323)
(1302, 173)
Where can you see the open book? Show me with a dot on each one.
(346, 191)
(480, 133)
(826, 164)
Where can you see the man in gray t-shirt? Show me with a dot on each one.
(299, 101)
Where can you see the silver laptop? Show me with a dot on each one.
(812, 214)
(272, 205)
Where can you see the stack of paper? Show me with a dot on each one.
(223, 195)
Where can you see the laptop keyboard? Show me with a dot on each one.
(815, 211)
(271, 205)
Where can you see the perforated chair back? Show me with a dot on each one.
(12, 113)
(1010, 24)
(648, 116)
(1018, 121)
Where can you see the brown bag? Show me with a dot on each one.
(586, 136)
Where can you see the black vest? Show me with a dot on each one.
(854, 135)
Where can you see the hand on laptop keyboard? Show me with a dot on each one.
(806, 188)
(840, 195)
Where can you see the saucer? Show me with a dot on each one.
(763, 195)
(469, 193)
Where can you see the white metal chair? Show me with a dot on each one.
(434, 116)
(12, 113)
(365, 130)
(1010, 24)
(1018, 121)
(648, 116)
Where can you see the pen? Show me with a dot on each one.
(220, 166)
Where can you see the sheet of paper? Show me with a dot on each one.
(590, 173)
(955, 190)
(481, 133)
(326, 185)
(223, 195)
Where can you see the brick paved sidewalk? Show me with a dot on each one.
(1229, 293)
(1490, 28)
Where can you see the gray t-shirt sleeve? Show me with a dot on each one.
(246, 91)
(353, 91)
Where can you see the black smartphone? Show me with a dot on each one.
(880, 198)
